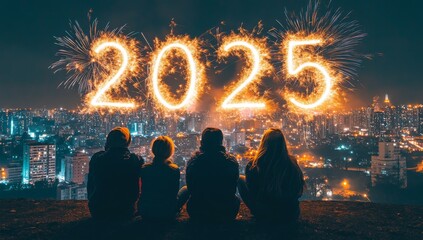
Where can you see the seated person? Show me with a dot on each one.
(160, 183)
(273, 181)
(113, 179)
(211, 177)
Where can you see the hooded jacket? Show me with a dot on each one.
(114, 184)
(211, 177)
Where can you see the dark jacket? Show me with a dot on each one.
(268, 206)
(211, 178)
(114, 184)
(160, 186)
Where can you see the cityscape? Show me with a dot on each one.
(370, 154)
(241, 119)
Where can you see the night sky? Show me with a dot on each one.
(394, 28)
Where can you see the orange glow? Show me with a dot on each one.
(164, 59)
(303, 64)
(120, 60)
(257, 57)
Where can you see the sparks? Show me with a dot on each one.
(95, 101)
(75, 55)
(294, 71)
(169, 51)
(318, 56)
(257, 57)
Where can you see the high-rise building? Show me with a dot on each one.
(238, 138)
(76, 167)
(14, 173)
(39, 162)
(389, 166)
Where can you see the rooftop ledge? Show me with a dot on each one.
(29, 219)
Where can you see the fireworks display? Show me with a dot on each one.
(98, 62)
(106, 51)
(257, 59)
(317, 72)
(316, 48)
(180, 56)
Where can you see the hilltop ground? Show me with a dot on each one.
(26, 219)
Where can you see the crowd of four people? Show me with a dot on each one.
(121, 186)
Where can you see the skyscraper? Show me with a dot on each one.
(76, 167)
(389, 166)
(39, 162)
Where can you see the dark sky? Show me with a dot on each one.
(394, 28)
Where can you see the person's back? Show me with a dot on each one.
(113, 180)
(160, 183)
(160, 186)
(212, 177)
(270, 206)
(273, 181)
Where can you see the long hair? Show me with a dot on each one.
(279, 173)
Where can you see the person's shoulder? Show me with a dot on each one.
(96, 156)
(195, 156)
(231, 159)
(173, 166)
(146, 168)
(137, 159)
(249, 165)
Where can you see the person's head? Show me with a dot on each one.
(211, 139)
(162, 148)
(119, 137)
(281, 174)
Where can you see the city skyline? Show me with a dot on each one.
(30, 42)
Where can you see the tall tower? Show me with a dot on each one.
(39, 162)
(387, 101)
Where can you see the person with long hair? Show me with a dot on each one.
(273, 182)
(160, 183)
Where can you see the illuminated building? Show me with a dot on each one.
(71, 192)
(3, 174)
(389, 166)
(14, 173)
(238, 138)
(76, 167)
(39, 162)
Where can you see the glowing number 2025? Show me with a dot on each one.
(96, 100)
(191, 92)
(255, 70)
(294, 71)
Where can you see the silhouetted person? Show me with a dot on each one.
(160, 183)
(113, 179)
(211, 177)
(273, 181)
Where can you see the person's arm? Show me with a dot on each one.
(91, 173)
(188, 173)
(136, 182)
(177, 176)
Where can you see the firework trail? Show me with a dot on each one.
(75, 55)
(342, 35)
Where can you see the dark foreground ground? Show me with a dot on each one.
(25, 219)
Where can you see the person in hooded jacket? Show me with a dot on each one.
(113, 180)
(211, 177)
